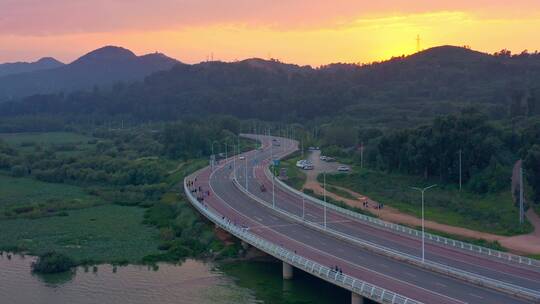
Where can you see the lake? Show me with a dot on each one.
(191, 282)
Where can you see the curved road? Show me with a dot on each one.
(408, 280)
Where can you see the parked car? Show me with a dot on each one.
(330, 159)
(322, 157)
(242, 157)
(343, 169)
(308, 167)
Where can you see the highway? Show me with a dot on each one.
(409, 280)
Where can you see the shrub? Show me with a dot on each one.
(52, 262)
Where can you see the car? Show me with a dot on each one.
(308, 167)
(343, 169)
(242, 157)
(330, 159)
(322, 157)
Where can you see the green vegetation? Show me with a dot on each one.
(182, 233)
(296, 178)
(480, 242)
(492, 212)
(338, 203)
(44, 138)
(52, 262)
(340, 192)
(115, 200)
(93, 235)
(26, 197)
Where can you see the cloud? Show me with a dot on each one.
(53, 17)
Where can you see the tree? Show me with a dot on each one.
(532, 170)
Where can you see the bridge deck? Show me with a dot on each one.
(403, 278)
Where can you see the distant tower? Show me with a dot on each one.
(417, 43)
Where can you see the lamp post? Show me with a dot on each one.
(273, 187)
(213, 157)
(324, 194)
(423, 230)
(247, 189)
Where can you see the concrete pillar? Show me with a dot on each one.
(287, 271)
(356, 298)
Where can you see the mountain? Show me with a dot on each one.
(405, 90)
(103, 66)
(23, 67)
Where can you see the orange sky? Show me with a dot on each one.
(303, 31)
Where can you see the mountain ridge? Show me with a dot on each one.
(103, 66)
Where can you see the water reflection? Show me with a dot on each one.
(191, 282)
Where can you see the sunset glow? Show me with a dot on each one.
(304, 32)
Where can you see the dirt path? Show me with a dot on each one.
(524, 244)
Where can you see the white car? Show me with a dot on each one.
(322, 157)
(242, 157)
(308, 167)
(343, 169)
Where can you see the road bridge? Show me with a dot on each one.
(371, 258)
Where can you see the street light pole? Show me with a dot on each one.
(303, 208)
(459, 169)
(423, 228)
(247, 189)
(324, 194)
(273, 191)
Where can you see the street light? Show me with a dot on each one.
(273, 191)
(213, 155)
(423, 233)
(324, 194)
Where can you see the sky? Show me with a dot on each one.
(313, 32)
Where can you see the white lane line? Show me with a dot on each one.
(440, 284)
(338, 258)
(476, 296)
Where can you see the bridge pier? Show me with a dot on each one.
(287, 271)
(356, 298)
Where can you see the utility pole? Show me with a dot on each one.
(423, 228)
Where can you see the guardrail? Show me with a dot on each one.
(479, 280)
(496, 254)
(355, 285)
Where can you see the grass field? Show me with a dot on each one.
(29, 197)
(296, 178)
(493, 213)
(22, 190)
(102, 234)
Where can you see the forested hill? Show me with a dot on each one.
(436, 81)
(24, 67)
(100, 67)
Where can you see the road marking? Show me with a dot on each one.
(333, 256)
(440, 284)
(476, 296)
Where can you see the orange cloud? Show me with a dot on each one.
(320, 33)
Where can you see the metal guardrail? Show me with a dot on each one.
(355, 285)
(479, 280)
(496, 254)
